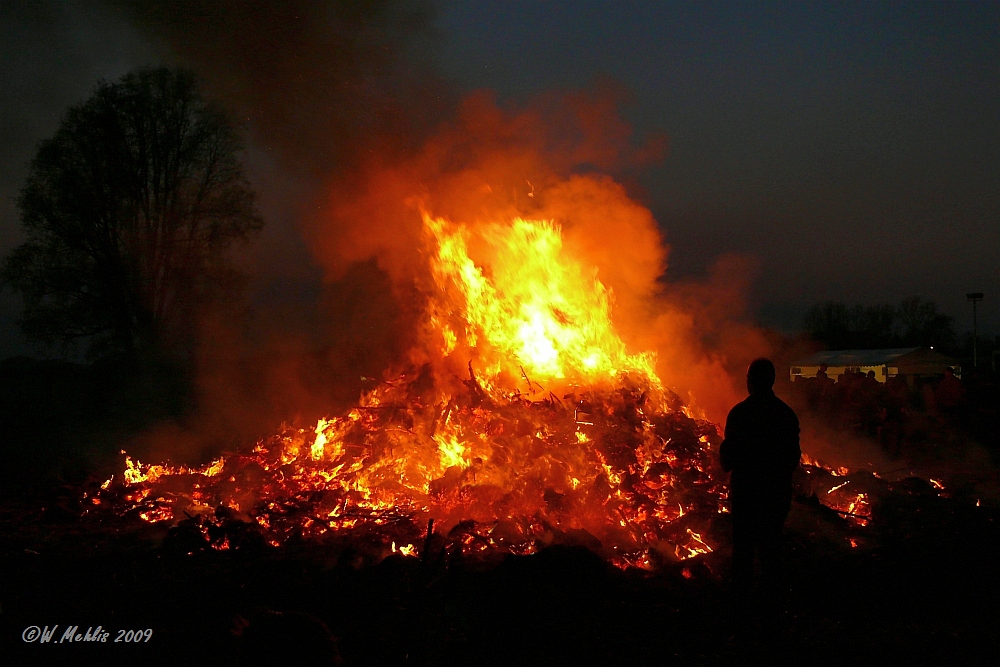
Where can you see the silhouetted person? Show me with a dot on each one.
(827, 390)
(870, 390)
(950, 396)
(761, 448)
(897, 400)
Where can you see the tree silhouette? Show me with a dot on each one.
(129, 210)
(924, 325)
(830, 323)
(914, 323)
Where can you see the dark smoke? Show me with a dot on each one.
(320, 86)
(347, 121)
(319, 82)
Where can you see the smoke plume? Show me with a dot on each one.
(352, 135)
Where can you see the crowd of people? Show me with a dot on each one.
(901, 413)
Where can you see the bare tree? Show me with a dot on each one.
(129, 210)
(914, 322)
(924, 325)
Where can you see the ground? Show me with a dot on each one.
(919, 588)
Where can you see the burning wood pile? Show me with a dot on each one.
(525, 422)
(606, 469)
(521, 422)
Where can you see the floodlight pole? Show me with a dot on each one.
(974, 297)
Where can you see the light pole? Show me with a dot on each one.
(974, 297)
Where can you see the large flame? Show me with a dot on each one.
(499, 460)
(528, 309)
(529, 409)
(556, 428)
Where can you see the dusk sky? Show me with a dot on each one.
(851, 149)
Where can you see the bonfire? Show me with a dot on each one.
(530, 424)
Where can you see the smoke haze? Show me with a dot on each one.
(351, 133)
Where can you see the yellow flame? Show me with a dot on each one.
(451, 451)
(316, 451)
(529, 302)
(694, 547)
(133, 472)
(214, 468)
(407, 550)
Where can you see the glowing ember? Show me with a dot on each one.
(838, 471)
(854, 506)
(407, 550)
(839, 486)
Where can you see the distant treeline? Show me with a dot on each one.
(914, 322)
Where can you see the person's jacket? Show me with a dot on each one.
(761, 448)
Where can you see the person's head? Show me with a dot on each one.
(760, 376)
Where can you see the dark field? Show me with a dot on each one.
(920, 588)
